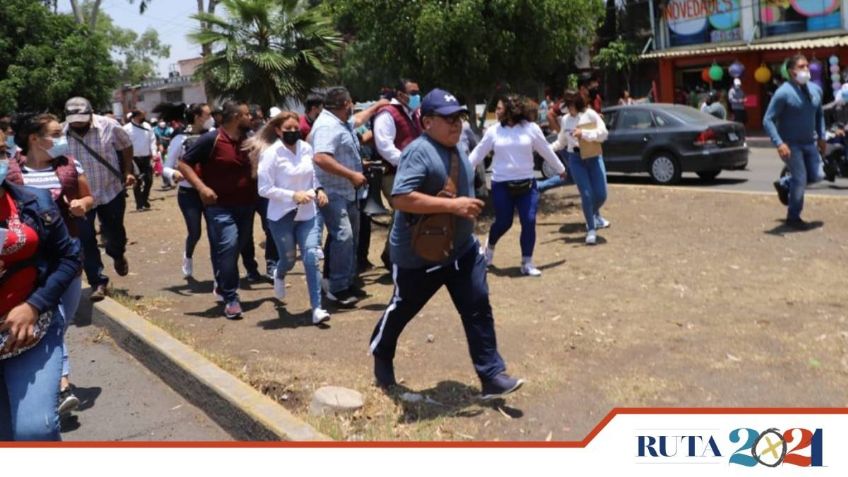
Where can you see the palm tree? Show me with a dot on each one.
(266, 52)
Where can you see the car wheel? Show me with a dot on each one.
(709, 175)
(664, 168)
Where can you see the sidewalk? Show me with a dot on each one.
(121, 400)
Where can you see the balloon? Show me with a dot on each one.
(705, 75)
(716, 72)
(834, 60)
(762, 74)
(784, 71)
(736, 69)
(835, 77)
(834, 68)
(836, 86)
(816, 69)
(844, 91)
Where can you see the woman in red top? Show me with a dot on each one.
(38, 262)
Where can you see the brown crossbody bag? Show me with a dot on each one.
(432, 237)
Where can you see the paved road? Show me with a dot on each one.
(121, 399)
(763, 168)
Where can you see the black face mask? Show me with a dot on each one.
(81, 131)
(290, 137)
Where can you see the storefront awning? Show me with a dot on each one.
(828, 42)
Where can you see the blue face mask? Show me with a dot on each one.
(4, 169)
(60, 147)
(414, 101)
(10, 144)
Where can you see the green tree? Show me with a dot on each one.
(473, 47)
(618, 56)
(46, 58)
(134, 54)
(266, 51)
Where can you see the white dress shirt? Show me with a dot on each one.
(569, 123)
(385, 132)
(143, 139)
(514, 146)
(281, 173)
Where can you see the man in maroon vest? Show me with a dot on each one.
(395, 126)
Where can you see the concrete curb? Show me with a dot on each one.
(808, 194)
(237, 407)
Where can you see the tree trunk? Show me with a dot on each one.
(92, 22)
(77, 12)
(471, 104)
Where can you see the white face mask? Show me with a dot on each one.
(802, 77)
(209, 123)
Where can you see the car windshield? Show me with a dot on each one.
(691, 115)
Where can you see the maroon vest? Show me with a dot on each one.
(406, 129)
(69, 178)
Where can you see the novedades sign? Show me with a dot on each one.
(688, 17)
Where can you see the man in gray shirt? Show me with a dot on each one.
(424, 169)
(339, 170)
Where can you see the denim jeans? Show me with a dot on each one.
(590, 175)
(29, 390)
(228, 232)
(805, 167)
(192, 209)
(505, 205)
(341, 217)
(111, 216)
(68, 305)
(286, 233)
(248, 254)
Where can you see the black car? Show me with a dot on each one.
(666, 140)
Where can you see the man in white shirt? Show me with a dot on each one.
(395, 126)
(144, 146)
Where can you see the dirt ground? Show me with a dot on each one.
(691, 299)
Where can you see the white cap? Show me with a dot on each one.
(275, 111)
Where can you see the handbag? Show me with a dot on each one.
(432, 236)
(40, 329)
(517, 188)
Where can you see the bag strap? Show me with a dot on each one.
(97, 156)
(453, 178)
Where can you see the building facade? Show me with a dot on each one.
(179, 87)
(692, 36)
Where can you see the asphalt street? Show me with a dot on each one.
(764, 167)
(120, 399)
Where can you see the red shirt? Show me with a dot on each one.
(227, 171)
(21, 243)
(305, 126)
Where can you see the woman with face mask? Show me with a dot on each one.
(286, 177)
(47, 165)
(199, 119)
(39, 261)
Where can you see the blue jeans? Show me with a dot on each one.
(286, 232)
(341, 217)
(114, 234)
(590, 175)
(556, 181)
(29, 390)
(248, 254)
(805, 167)
(228, 232)
(68, 305)
(192, 208)
(505, 205)
(466, 284)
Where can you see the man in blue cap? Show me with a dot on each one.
(426, 166)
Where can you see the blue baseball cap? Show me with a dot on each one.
(441, 103)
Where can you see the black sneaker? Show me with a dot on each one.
(342, 298)
(122, 267)
(384, 372)
(255, 277)
(358, 292)
(67, 401)
(798, 224)
(499, 386)
(782, 192)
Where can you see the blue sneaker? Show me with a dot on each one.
(499, 386)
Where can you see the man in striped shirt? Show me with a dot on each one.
(95, 141)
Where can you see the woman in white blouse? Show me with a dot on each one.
(513, 141)
(286, 177)
(589, 173)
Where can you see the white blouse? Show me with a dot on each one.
(514, 146)
(281, 173)
(569, 123)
